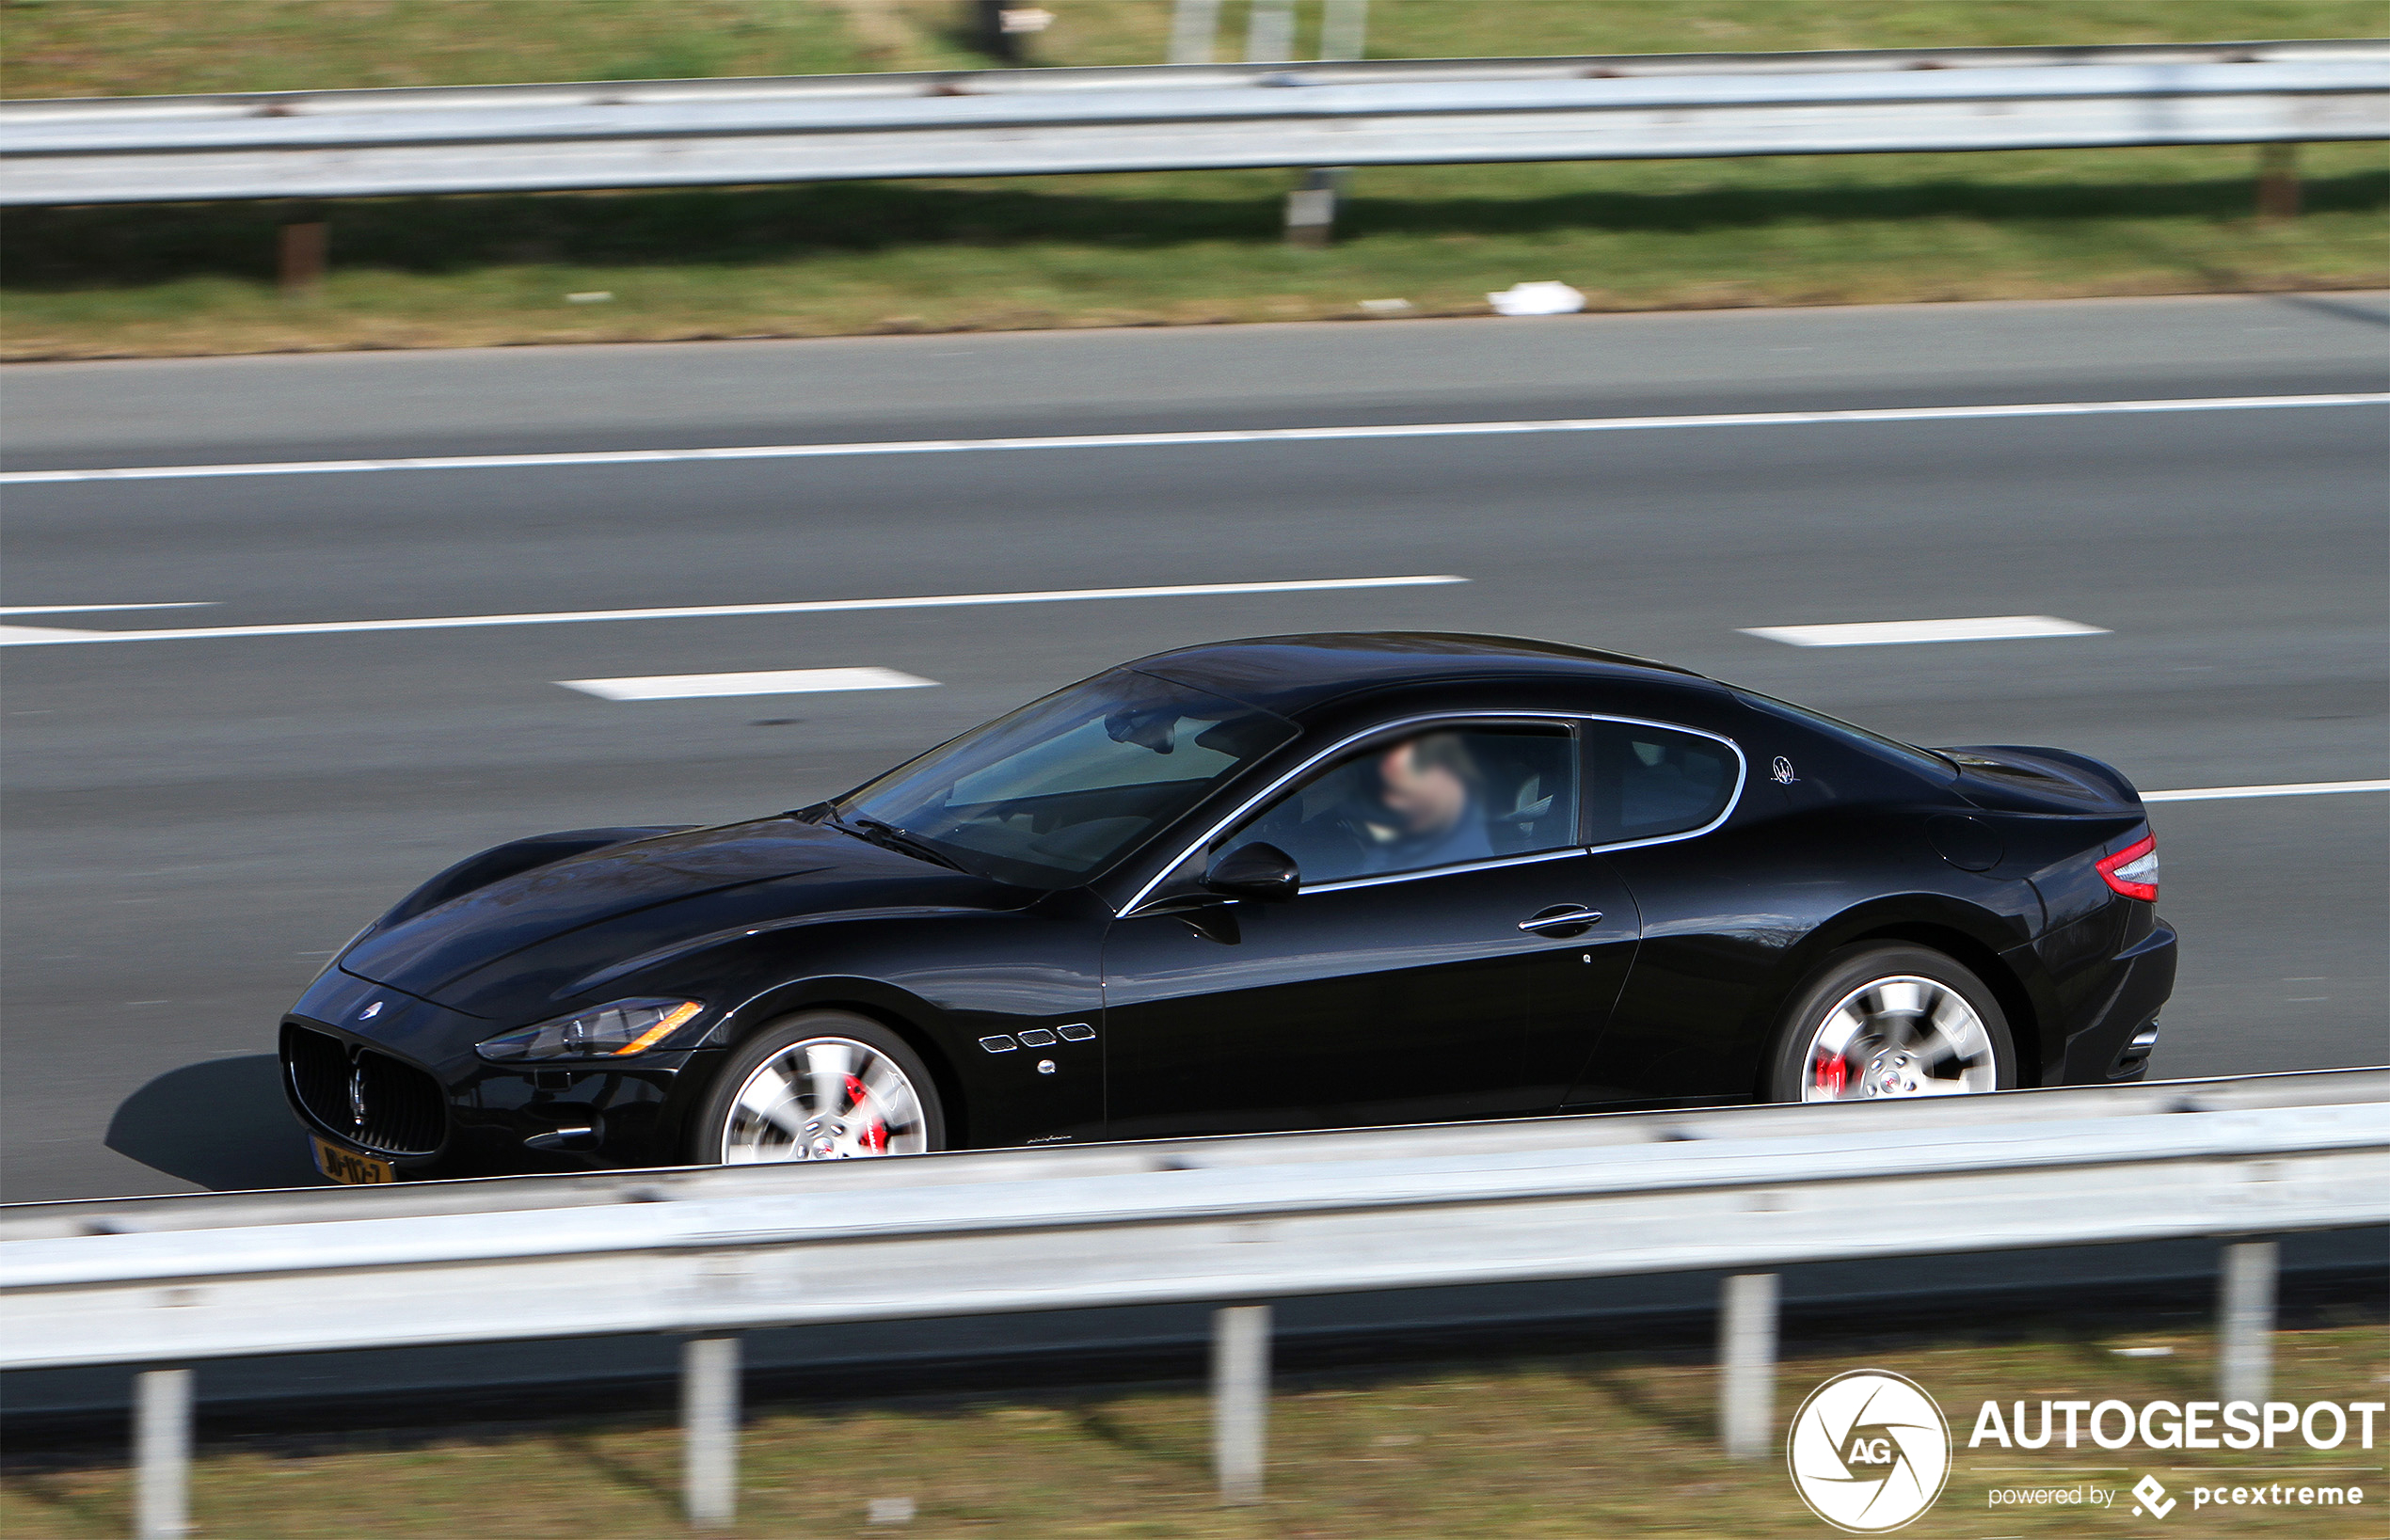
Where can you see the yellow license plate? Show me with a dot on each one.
(348, 1165)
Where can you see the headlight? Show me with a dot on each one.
(617, 1030)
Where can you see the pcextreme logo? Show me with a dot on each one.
(1869, 1451)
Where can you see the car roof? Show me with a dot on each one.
(1290, 674)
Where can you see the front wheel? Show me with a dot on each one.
(826, 1085)
(1891, 1020)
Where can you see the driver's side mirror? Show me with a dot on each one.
(1259, 871)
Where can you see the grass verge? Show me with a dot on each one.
(1185, 248)
(151, 47)
(1564, 1446)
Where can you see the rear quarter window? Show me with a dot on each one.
(1645, 781)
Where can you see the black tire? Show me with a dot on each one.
(1789, 1071)
(713, 1124)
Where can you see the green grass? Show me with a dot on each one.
(134, 47)
(1549, 1448)
(1150, 249)
(162, 47)
(1186, 248)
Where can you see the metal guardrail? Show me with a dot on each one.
(1524, 1139)
(1231, 1222)
(327, 144)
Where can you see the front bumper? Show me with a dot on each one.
(377, 1070)
(2116, 1043)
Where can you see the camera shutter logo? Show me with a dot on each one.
(1869, 1451)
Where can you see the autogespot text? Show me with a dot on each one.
(2167, 1424)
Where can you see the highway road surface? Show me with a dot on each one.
(196, 813)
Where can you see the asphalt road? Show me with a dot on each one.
(191, 825)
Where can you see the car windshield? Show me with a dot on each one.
(1058, 790)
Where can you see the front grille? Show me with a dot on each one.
(404, 1113)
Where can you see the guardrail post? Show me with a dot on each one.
(709, 1427)
(1311, 209)
(1241, 1399)
(1193, 26)
(299, 271)
(2245, 1349)
(161, 1453)
(1341, 27)
(2278, 182)
(1269, 32)
(1746, 1364)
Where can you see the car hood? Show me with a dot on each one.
(627, 900)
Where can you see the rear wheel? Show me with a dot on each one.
(1880, 1022)
(826, 1085)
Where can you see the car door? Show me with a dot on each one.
(1428, 968)
(1674, 811)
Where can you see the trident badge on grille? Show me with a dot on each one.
(357, 1095)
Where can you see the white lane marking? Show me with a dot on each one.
(35, 636)
(1230, 436)
(95, 608)
(686, 687)
(1879, 633)
(2298, 788)
(38, 636)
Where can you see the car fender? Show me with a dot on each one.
(944, 979)
(899, 1009)
(1995, 950)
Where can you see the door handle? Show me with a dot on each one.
(1562, 920)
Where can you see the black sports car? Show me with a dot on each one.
(1293, 882)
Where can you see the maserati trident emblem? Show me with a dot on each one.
(375, 1009)
(1781, 770)
(357, 1095)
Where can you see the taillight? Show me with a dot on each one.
(2133, 870)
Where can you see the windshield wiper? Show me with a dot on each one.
(889, 837)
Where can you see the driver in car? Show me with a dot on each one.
(1428, 788)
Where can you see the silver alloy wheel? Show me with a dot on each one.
(824, 1099)
(1900, 1036)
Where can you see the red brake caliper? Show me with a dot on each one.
(1829, 1074)
(875, 1137)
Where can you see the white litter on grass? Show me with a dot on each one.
(590, 297)
(892, 1510)
(1537, 299)
(2143, 1352)
(1385, 306)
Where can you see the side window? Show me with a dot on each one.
(1641, 782)
(1430, 798)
